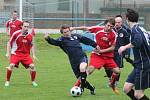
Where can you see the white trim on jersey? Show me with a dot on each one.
(146, 34)
(14, 34)
(14, 45)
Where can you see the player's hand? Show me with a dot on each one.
(121, 49)
(72, 28)
(46, 35)
(97, 50)
(7, 55)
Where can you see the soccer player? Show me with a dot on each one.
(70, 44)
(106, 40)
(123, 38)
(21, 43)
(139, 78)
(13, 25)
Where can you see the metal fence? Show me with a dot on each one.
(53, 13)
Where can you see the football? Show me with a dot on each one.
(75, 91)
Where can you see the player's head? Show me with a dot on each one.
(109, 24)
(14, 15)
(25, 27)
(132, 15)
(65, 30)
(118, 22)
(118, 16)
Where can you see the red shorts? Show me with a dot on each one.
(99, 61)
(25, 60)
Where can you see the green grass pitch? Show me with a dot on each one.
(54, 77)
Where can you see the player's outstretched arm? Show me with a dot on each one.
(8, 50)
(7, 28)
(33, 52)
(51, 40)
(79, 28)
(88, 41)
(123, 48)
(111, 48)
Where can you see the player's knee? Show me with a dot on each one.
(83, 67)
(32, 67)
(117, 71)
(11, 66)
(138, 95)
(126, 89)
(90, 70)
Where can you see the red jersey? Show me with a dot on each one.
(104, 39)
(21, 44)
(13, 26)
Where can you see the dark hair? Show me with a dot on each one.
(132, 15)
(14, 11)
(110, 20)
(118, 16)
(26, 21)
(64, 27)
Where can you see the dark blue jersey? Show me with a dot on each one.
(140, 40)
(123, 38)
(71, 46)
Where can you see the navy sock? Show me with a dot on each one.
(83, 79)
(144, 98)
(89, 86)
(131, 94)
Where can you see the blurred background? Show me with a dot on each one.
(50, 14)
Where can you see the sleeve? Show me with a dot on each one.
(7, 24)
(95, 29)
(127, 37)
(113, 39)
(136, 40)
(53, 41)
(87, 41)
(12, 39)
(127, 41)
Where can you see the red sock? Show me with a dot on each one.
(77, 83)
(113, 78)
(33, 75)
(8, 75)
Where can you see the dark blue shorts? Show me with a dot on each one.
(140, 78)
(75, 66)
(118, 59)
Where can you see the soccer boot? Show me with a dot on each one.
(7, 83)
(34, 84)
(93, 92)
(114, 88)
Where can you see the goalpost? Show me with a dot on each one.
(20, 10)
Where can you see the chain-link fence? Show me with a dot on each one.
(53, 13)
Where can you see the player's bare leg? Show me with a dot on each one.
(8, 74)
(90, 70)
(33, 74)
(114, 77)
